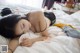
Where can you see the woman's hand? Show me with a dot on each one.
(27, 42)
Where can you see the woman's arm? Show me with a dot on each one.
(13, 45)
(29, 42)
(43, 23)
(39, 23)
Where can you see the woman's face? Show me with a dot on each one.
(22, 26)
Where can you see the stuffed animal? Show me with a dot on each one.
(61, 25)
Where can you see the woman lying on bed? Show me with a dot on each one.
(13, 26)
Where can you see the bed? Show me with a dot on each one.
(58, 44)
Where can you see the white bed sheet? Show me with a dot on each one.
(73, 19)
(60, 44)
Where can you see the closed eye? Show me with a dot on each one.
(22, 26)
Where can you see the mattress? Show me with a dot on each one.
(58, 44)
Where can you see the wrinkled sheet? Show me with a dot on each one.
(73, 19)
(59, 43)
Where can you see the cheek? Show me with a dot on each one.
(18, 31)
(28, 24)
(27, 27)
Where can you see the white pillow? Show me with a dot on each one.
(56, 31)
(3, 41)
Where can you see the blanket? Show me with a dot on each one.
(57, 44)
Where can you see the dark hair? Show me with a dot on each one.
(6, 11)
(7, 26)
(51, 16)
